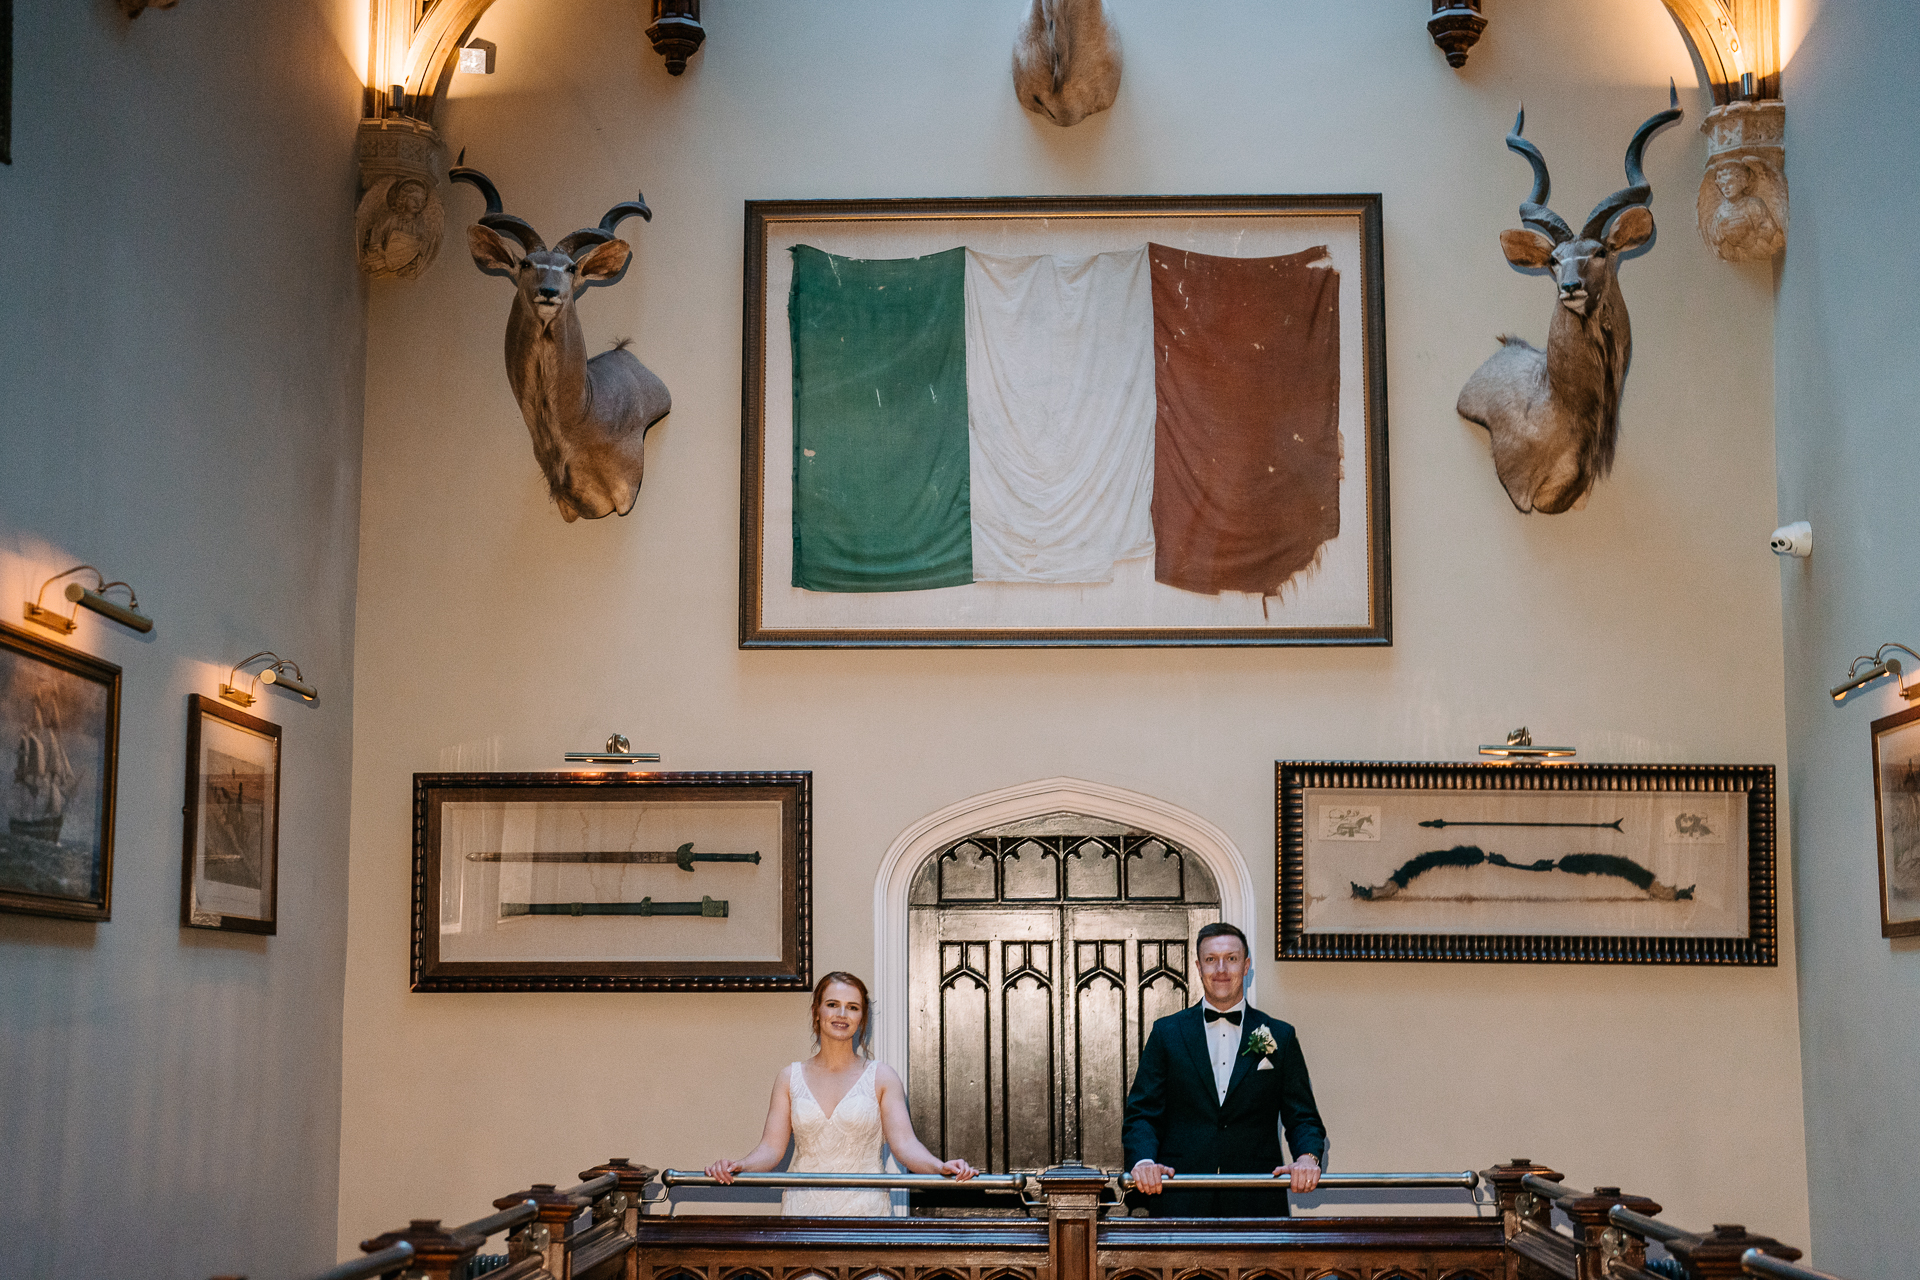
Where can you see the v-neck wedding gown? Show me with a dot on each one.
(848, 1141)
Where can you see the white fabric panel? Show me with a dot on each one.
(1060, 411)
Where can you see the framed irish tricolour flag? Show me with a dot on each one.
(1064, 421)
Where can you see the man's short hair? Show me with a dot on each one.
(1221, 929)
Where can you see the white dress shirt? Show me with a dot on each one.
(1223, 1045)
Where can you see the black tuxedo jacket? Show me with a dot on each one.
(1174, 1115)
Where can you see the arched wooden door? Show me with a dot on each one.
(1039, 955)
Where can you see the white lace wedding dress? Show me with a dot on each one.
(848, 1141)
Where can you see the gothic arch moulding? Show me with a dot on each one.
(1010, 804)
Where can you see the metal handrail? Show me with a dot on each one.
(480, 1228)
(1641, 1225)
(594, 1187)
(891, 1181)
(1465, 1180)
(392, 1258)
(1551, 1190)
(1756, 1263)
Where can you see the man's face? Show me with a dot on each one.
(1223, 970)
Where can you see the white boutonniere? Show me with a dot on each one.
(1260, 1041)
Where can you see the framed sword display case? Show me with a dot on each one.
(612, 881)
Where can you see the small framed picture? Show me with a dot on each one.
(612, 881)
(230, 871)
(60, 724)
(1896, 807)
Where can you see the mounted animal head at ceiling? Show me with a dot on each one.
(1066, 60)
(1553, 415)
(588, 417)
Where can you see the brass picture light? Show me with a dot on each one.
(1878, 666)
(278, 671)
(94, 598)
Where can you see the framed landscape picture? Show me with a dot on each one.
(1896, 808)
(1664, 864)
(60, 727)
(230, 869)
(612, 882)
(1064, 421)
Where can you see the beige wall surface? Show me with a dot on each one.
(493, 635)
(1849, 326)
(181, 360)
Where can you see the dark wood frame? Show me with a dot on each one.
(199, 706)
(1889, 927)
(1293, 778)
(87, 667)
(792, 972)
(1373, 429)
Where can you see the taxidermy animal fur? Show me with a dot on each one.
(588, 418)
(1066, 61)
(1553, 415)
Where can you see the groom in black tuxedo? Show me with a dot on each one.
(1215, 1085)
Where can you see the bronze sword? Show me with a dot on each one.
(684, 857)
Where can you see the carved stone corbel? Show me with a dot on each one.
(676, 32)
(397, 228)
(1456, 26)
(1743, 194)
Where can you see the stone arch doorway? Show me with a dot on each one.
(1029, 939)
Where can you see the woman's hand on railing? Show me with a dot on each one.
(958, 1170)
(724, 1170)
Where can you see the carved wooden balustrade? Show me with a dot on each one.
(603, 1229)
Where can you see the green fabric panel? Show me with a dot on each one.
(880, 490)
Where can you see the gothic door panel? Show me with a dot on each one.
(1039, 955)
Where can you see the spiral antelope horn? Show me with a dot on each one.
(1637, 190)
(573, 243)
(1533, 210)
(495, 217)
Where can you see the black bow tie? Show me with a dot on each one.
(1214, 1015)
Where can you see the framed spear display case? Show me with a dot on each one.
(1064, 421)
(60, 723)
(1650, 863)
(612, 881)
(230, 866)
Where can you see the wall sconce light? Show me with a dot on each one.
(1879, 665)
(1519, 748)
(676, 32)
(619, 751)
(278, 671)
(476, 57)
(127, 615)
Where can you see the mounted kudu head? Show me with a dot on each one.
(1553, 415)
(588, 418)
(1066, 60)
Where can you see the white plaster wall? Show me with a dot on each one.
(1644, 628)
(1848, 457)
(181, 359)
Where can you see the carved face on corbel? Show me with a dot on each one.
(1743, 208)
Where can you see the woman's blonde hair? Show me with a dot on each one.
(863, 1038)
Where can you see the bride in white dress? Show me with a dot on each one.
(838, 1106)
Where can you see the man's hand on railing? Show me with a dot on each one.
(958, 1170)
(1148, 1174)
(1305, 1171)
(724, 1170)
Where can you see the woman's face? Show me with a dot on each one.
(841, 1012)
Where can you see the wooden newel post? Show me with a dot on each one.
(1717, 1256)
(623, 1202)
(1599, 1242)
(1525, 1217)
(437, 1255)
(1073, 1220)
(546, 1234)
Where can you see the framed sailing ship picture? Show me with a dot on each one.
(230, 868)
(612, 881)
(60, 721)
(1896, 808)
(1064, 421)
(1649, 863)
